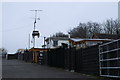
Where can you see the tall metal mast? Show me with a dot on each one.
(35, 33)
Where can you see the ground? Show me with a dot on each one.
(21, 69)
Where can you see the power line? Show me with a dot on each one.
(18, 28)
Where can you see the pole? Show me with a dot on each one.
(29, 42)
(33, 35)
(35, 25)
(44, 42)
(34, 42)
(69, 52)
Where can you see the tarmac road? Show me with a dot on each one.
(21, 69)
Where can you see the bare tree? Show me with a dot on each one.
(93, 28)
(86, 30)
(80, 31)
(112, 26)
(60, 34)
(117, 26)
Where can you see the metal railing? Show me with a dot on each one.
(109, 59)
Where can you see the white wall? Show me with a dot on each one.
(50, 45)
(63, 41)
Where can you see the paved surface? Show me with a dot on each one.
(21, 69)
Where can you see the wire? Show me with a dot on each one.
(18, 28)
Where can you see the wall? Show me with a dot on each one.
(50, 45)
(62, 41)
(12, 56)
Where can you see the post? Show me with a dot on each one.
(29, 42)
(69, 52)
(34, 35)
(44, 42)
(35, 25)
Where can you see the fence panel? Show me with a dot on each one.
(87, 60)
(56, 57)
(82, 60)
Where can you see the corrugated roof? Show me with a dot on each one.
(78, 40)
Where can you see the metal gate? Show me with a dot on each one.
(109, 59)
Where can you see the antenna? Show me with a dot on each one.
(35, 33)
(35, 16)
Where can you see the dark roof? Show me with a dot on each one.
(38, 49)
(106, 36)
(57, 38)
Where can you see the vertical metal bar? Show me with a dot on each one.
(108, 63)
(44, 42)
(34, 42)
(118, 57)
(99, 61)
(35, 18)
(29, 42)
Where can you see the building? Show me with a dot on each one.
(83, 43)
(3, 52)
(38, 55)
(55, 42)
(20, 50)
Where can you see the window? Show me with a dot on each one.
(55, 43)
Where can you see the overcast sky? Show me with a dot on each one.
(18, 19)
